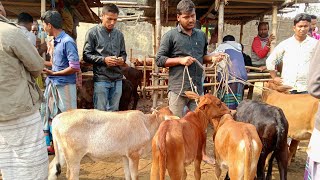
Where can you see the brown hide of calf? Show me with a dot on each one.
(237, 146)
(299, 109)
(180, 142)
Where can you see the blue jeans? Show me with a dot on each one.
(106, 95)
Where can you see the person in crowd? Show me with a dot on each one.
(295, 53)
(22, 145)
(314, 27)
(104, 47)
(312, 171)
(60, 93)
(237, 69)
(261, 45)
(25, 21)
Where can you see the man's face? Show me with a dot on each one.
(109, 20)
(313, 24)
(263, 31)
(34, 29)
(301, 29)
(29, 26)
(187, 19)
(48, 28)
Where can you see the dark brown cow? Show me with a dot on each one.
(272, 127)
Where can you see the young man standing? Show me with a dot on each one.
(60, 93)
(261, 45)
(181, 47)
(22, 147)
(104, 47)
(295, 53)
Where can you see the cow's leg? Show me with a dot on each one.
(282, 159)
(261, 166)
(133, 165)
(74, 168)
(175, 166)
(292, 150)
(154, 174)
(217, 171)
(197, 170)
(270, 163)
(126, 167)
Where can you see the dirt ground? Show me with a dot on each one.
(112, 169)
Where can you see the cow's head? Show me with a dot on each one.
(212, 106)
(274, 86)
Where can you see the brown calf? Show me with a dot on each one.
(178, 143)
(237, 146)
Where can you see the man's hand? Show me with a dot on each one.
(187, 61)
(48, 72)
(270, 39)
(111, 61)
(120, 61)
(217, 57)
(277, 80)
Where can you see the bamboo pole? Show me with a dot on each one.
(274, 26)
(221, 22)
(130, 55)
(241, 32)
(144, 76)
(158, 35)
(42, 11)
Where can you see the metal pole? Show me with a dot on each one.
(42, 11)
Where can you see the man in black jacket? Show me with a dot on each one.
(104, 47)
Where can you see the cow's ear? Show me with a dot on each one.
(192, 95)
(203, 101)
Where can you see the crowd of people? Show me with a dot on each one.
(26, 111)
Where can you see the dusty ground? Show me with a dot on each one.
(112, 169)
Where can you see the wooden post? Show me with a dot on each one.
(221, 22)
(241, 32)
(207, 28)
(42, 11)
(144, 77)
(274, 26)
(158, 36)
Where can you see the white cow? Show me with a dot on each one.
(98, 135)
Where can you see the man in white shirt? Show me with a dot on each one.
(25, 22)
(295, 53)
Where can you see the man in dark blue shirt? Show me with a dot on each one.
(104, 47)
(181, 47)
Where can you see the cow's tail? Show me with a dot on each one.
(282, 129)
(248, 149)
(162, 149)
(55, 165)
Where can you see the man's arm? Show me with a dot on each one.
(123, 52)
(314, 73)
(88, 51)
(73, 58)
(275, 58)
(27, 54)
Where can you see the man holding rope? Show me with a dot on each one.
(184, 46)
